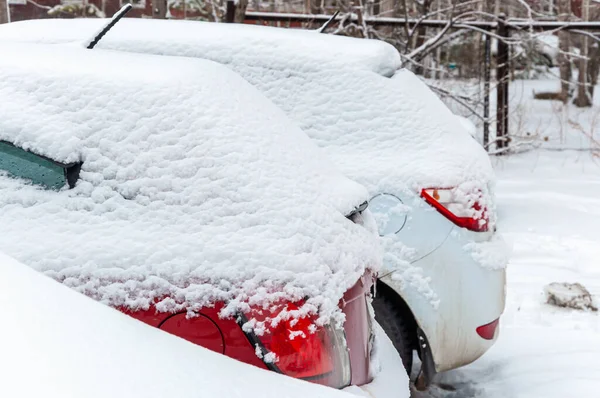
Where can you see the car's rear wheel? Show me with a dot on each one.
(397, 325)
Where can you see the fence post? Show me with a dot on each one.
(230, 11)
(4, 12)
(486, 91)
(502, 77)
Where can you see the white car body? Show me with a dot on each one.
(469, 294)
(451, 279)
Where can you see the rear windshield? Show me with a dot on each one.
(38, 169)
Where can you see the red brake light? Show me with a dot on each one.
(297, 348)
(465, 212)
(488, 331)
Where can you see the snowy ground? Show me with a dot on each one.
(551, 124)
(549, 210)
(533, 123)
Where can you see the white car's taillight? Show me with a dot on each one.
(298, 348)
(465, 210)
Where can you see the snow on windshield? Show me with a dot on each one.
(193, 186)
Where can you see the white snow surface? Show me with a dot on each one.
(492, 254)
(548, 44)
(392, 135)
(193, 186)
(534, 123)
(57, 343)
(388, 134)
(467, 125)
(240, 41)
(549, 211)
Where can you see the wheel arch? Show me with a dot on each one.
(384, 289)
(419, 341)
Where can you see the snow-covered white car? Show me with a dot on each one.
(442, 290)
(173, 190)
(57, 343)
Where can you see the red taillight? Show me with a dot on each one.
(466, 212)
(488, 331)
(297, 348)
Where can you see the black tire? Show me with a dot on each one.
(397, 326)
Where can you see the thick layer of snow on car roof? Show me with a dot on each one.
(388, 134)
(56, 343)
(193, 185)
(240, 41)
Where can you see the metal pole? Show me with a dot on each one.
(437, 74)
(502, 77)
(582, 99)
(4, 12)
(401, 22)
(230, 12)
(506, 107)
(486, 91)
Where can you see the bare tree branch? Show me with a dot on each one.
(588, 34)
(39, 5)
(431, 41)
(447, 39)
(460, 100)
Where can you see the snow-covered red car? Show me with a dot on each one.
(58, 343)
(173, 190)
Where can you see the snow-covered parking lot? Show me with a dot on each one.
(549, 211)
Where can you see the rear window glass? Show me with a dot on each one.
(38, 169)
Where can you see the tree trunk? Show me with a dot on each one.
(438, 52)
(583, 100)
(421, 33)
(593, 68)
(594, 56)
(4, 11)
(564, 45)
(376, 7)
(240, 11)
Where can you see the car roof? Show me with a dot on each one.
(193, 186)
(341, 97)
(243, 41)
(58, 343)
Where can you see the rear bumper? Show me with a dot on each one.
(358, 328)
(469, 292)
(389, 377)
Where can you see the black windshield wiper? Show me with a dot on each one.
(359, 209)
(118, 15)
